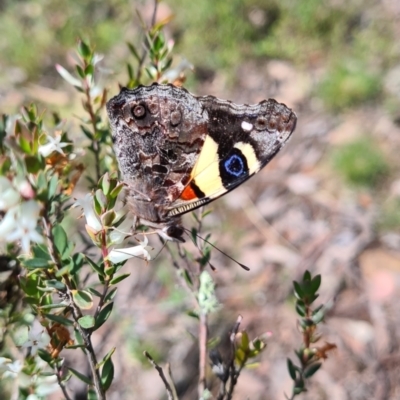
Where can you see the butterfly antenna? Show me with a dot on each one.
(164, 244)
(216, 248)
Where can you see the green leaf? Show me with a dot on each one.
(53, 306)
(33, 164)
(58, 318)
(112, 270)
(80, 71)
(299, 385)
(60, 239)
(89, 70)
(40, 251)
(55, 284)
(315, 283)
(75, 346)
(291, 368)
(67, 376)
(118, 279)
(77, 261)
(83, 299)
(86, 322)
(107, 374)
(259, 345)
(298, 390)
(116, 191)
(37, 263)
(66, 269)
(298, 291)
(104, 183)
(91, 394)
(133, 50)
(253, 365)
(240, 356)
(97, 268)
(131, 73)
(187, 277)
(78, 338)
(108, 218)
(94, 291)
(245, 341)
(86, 132)
(45, 356)
(100, 201)
(106, 357)
(25, 145)
(193, 314)
(83, 49)
(307, 276)
(80, 376)
(193, 235)
(111, 294)
(318, 316)
(103, 315)
(53, 184)
(311, 370)
(29, 285)
(301, 308)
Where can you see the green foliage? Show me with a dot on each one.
(308, 354)
(348, 85)
(208, 302)
(361, 163)
(305, 28)
(40, 169)
(36, 29)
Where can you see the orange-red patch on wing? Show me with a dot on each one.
(188, 193)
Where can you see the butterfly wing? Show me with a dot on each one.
(177, 151)
(158, 132)
(241, 139)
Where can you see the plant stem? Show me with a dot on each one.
(202, 354)
(162, 376)
(104, 252)
(76, 312)
(61, 383)
(96, 145)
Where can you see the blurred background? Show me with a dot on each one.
(329, 202)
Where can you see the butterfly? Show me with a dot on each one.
(177, 151)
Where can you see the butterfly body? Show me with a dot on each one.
(178, 152)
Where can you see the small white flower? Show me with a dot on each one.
(8, 223)
(36, 341)
(118, 235)
(10, 125)
(67, 76)
(92, 218)
(9, 197)
(12, 369)
(20, 224)
(141, 251)
(33, 396)
(53, 144)
(4, 361)
(45, 385)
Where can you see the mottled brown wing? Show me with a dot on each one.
(158, 132)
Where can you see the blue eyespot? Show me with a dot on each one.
(233, 169)
(234, 165)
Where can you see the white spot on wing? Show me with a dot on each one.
(246, 126)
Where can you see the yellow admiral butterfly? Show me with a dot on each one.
(178, 152)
